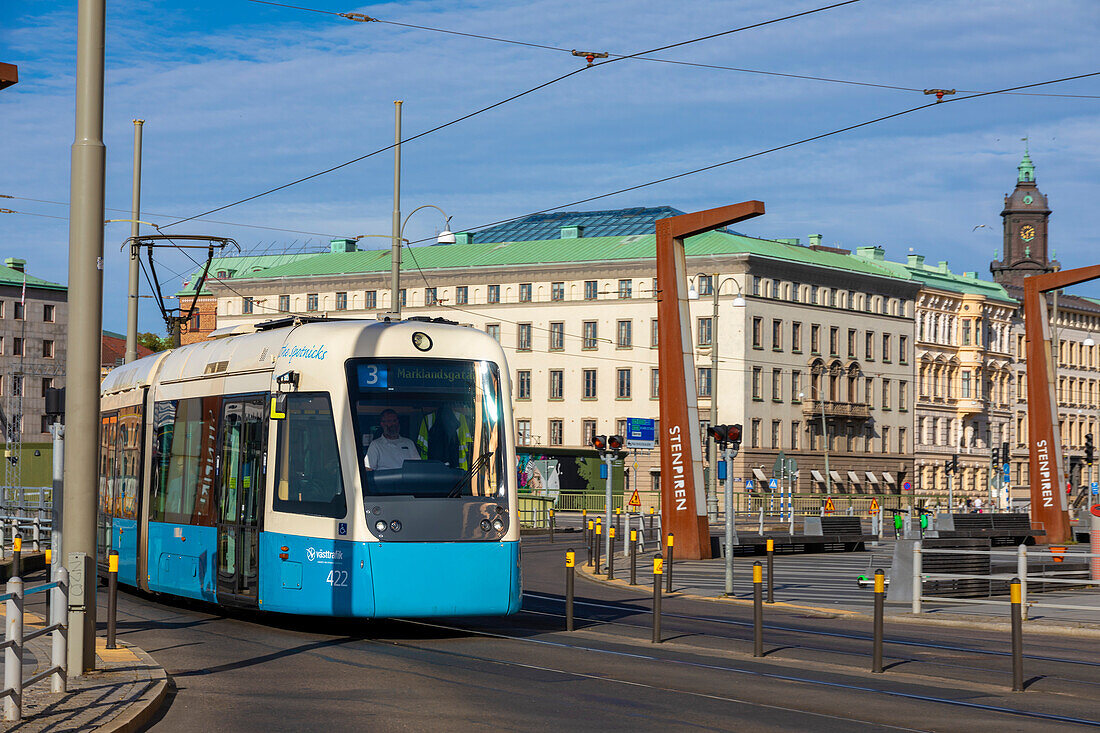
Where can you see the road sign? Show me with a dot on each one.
(749, 484)
(640, 432)
(1095, 487)
(635, 500)
(906, 486)
(1006, 474)
(874, 506)
(829, 505)
(1095, 509)
(773, 483)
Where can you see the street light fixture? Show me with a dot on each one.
(444, 237)
(712, 454)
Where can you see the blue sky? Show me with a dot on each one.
(239, 97)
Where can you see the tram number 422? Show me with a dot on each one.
(337, 578)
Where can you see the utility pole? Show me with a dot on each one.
(135, 252)
(712, 458)
(395, 252)
(85, 327)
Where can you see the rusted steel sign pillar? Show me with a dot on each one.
(1046, 475)
(683, 502)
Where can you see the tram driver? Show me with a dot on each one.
(391, 449)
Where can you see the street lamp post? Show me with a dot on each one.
(712, 453)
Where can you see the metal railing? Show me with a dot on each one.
(1021, 572)
(35, 529)
(534, 511)
(26, 497)
(15, 640)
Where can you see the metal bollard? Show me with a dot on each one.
(669, 542)
(112, 597)
(918, 580)
(59, 612)
(13, 654)
(49, 594)
(551, 526)
(1017, 637)
(589, 540)
(757, 610)
(16, 557)
(618, 521)
(771, 571)
(569, 571)
(880, 593)
(611, 556)
(36, 534)
(1021, 573)
(658, 569)
(652, 513)
(598, 545)
(633, 557)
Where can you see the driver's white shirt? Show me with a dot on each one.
(384, 453)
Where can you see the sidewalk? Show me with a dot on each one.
(123, 693)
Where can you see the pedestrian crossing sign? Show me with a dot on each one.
(874, 506)
(829, 505)
(635, 500)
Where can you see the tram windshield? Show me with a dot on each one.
(428, 428)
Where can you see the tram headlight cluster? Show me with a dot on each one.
(380, 526)
(498, 524)
(486, 525)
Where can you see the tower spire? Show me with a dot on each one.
(1026, 168)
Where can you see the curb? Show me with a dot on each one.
(140, 712)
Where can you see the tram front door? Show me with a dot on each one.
(240, 498)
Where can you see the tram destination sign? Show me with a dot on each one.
(417, 376)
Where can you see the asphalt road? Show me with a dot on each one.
(252, 672)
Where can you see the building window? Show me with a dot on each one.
(702, 382)
(965, 386)
(589, 341)
(756, 285)
(902, 448)
(625, 334)
(654, 383)
(341, 301)
(885, 394)
(706, 285)
(431, 297)
(777, 434)
(966, 332)
(757, 377)
(755, 432)
(588, 431)
(885, 444)
(869, 391)
(194, 322)
(557, 384)
(493, 329)
(525, 292)
(311, 302)
(705, 331)
(370, 300)
(523, 432)
(18, 311)
(47, 349)
(796, 337)
(556, 430)
(796, 385)
(903, 349)
(625, 287)
(557, 291)
(494, 293)
(903, 396)
(852, 345)
(591, 289)
(834, 338)
(589, 379)
(757, 332)
(653, 336)
(45, 423)
(17, 346)
(47, 313)
(557, 335)
(869, 346)
(17, 386)
(815, 338)
(795, 434)
(462, 295)
(777, 384)
(404, 297)
(47, 383)
(623, 391)
(523, 384)
(523, 337)
(777, 334)
(886, 347)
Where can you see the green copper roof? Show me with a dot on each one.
(585, 249)
(236, 268)
(1026, 169)
(939, 276)
(11, 276)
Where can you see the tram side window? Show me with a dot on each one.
(128, 444)
(184, 448)
(308, 476)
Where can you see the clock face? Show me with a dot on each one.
(1028, 199)
(1027, 232)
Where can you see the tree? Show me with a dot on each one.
(153, 342)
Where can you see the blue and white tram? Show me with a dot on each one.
(343, 468)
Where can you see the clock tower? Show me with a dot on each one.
(1025, 231)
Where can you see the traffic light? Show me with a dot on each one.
(1089, 448)
(615, 443)
(599, 442)
(725, 435)
(996, 455)
(955, 463)
(733, 434)
(1004, 451)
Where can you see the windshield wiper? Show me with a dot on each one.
(456, 491)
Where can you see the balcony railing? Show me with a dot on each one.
(832, 408)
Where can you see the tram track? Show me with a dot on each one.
(613, 606)
(760, 674)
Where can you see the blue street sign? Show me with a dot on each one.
(906, 486)
(1095, 487)
(721, 470)
(773, 483)
(640, 432)
(749, 484)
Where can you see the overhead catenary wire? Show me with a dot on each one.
(504, 101)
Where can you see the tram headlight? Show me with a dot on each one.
(498, 524)
(395, 526)
(380, 526)
(486, 525)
